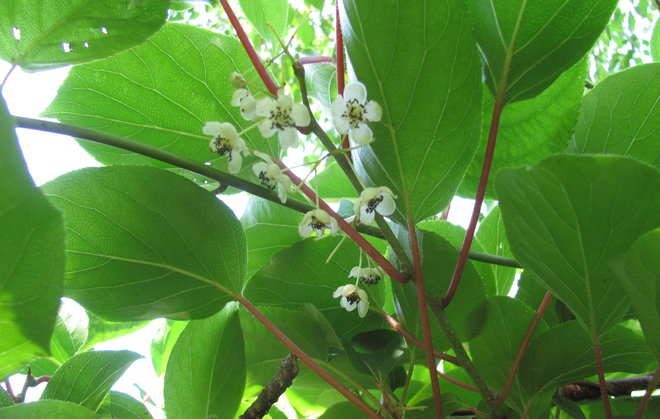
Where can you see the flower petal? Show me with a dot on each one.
(265, 106)
(373, 111)
(334, 227)
(289, 137)
(237, 96)
(300, 115)
(348, 306)
(387, 205)
(361, 135)
(235, 162)
(304, 229)
(355, 90)
(282, 191)
(354, 272)
(212, 128)
(266, 128)
(363, 308)
(228, 131)
(366, 217)
(338, 292)
(257, 168)
(341, 125)
(338, 107)
(248, 107)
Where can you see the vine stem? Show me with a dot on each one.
(341, 81)
(601, 376)
(523, 347)
(302, 355)
(374, 254)
(424, 315)
(314, 60)
(478, 200)
(249, 49)
(639, 414)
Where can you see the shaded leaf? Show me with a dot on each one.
(333, 184)
(122, 406)
(31, 255)
(567, 217)
(5, 399)
(492, 237)
(86, 378)
(50, 33)
(418, 60)
(165, 247)
(163, 342)
(264, 15)
(206, 370)
(321, 81)
(47, 409)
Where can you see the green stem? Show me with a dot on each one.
(601, 376)
(639, 414)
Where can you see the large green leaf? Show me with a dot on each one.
(86, 378)
(266, 15)
(161, 93)
(51, 33)
(122, 406)
(206, 370)
(269, 228)
(530, 130)
(418, 60)
(47, 409)
(101, 330)
(526, 45)
(321, 80)
(492, 238)
(639, 274)
(163, 342)
(31, 256)
(70, 332)
(568, 216)
(299, 275)
(621, 115)
(144, 243)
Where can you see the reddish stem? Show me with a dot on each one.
(601, 377)
(247, 45)
(410, 338)
(639, 414)
(374, 254)
(352, 397)
(424, 317)
(10, 391)
(42, 379)
(523, 347)
(315, 60)
(339, 36)
(478, 200)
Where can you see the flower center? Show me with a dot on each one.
(316, 224)
(371, 206)
(353, 299)
(266, 181)
(223, 146)
(354, 113)
(370, 279)
(281, 118)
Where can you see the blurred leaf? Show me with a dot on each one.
(70, 332)
(101, 330)
(163, 342)
(273, 13)
(526, 45)
(206, 370)
(163, 246)
(50, 33)
(333, 184)
(321, 81)
(621, 115)
(122, 406)
(624, 408)
(655, 42)
(31, 256)
(86, 378)
(493, 239)
(419, 61)
(639, 274)
(47, 409)
(5, 399)
(568, 216)
(380, 350)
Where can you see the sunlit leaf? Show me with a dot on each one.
(48, 409)
(163, 342)
(493, 239)
(266, 15)
(120, 405)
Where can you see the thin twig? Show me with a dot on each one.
(601, 376)
(653, 383)
(314, 60)
(282, 380)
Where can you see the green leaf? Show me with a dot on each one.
(321, 81)
(101, 330)
(380, 350)
(32, 258)
(530, 130)
(655, 42)
(621, 115)
(531, 292)
(50, 33)
(418, 60)
(122, 406)
(163, 342)
(342, 410)
(274, 13)
(333, 184)
(526, 45)
(563, 354)
(568, 216)
(206, 371)
(494, 350)
(5, 399)
(163, 246)
(130, 95)
(47, 409)
(86, 378)
(625, 407)
(299, 275)
(639, 274)
(493, 239)
(70, 332)
(269, 228)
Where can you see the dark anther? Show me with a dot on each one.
(352, 299)
(371, 206)
(266, 181)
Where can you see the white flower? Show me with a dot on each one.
(282, 115)
(247, 103)
(372, 200)
(226, 142)
(317, 220)
(351, 112)
(352, 297)
(271, 176)
(369, 276)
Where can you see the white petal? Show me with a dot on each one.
(366, 217)
(283, 100)
(361, 135)
(257, 168)
(304, 229)
(234, 165)
(373, 111)
(263, 156)
(354, 272)
(300, 115)
(387, 205)
(334, 227)
(212, 128)
(265, 106)
(239, 145)
(237, 96)
(338, 292)
(228, 131)
(349, 289)
(248, 107)
(282, 191)
(363, 308)
(341, 125)
(355, 90)
(348, 306)
(338, 107)
(357, 205)
(266, 128)
(289, 137)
